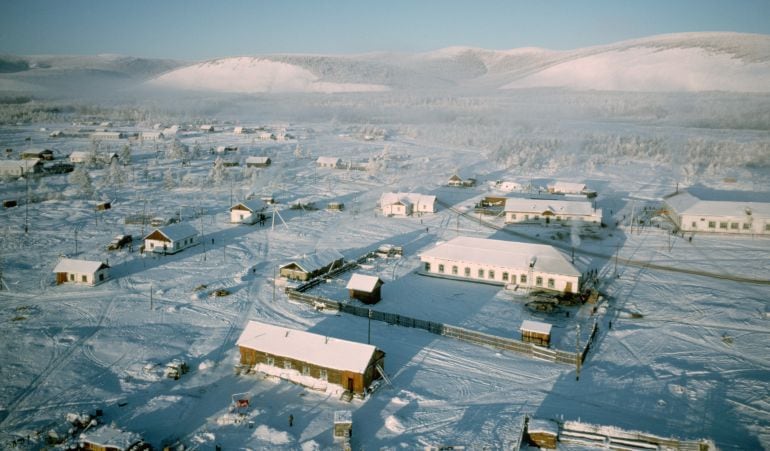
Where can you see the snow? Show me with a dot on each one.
(107, 436)
(686, 203)
(78, 266)
(535, 326)
(362, 282)
(323, 351)
(317, 259)
(563, 207)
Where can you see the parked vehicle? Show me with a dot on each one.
(119, 242)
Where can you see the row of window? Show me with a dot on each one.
(322, 374)
(537, 217)
(84, 278)
(490, 275)
(725, 225)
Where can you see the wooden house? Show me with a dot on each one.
(720, 212)
(309, 358)
(542, 433)
(20, 168)
(335, 206)
(343, 425)
(79, 156)
(101, 206)
(247, 212)
(258, 162)
(406, 204)
(83, 272)
(536, 332)
(39, 154)
(459, 182)
(499, 262)
(151, 136)
(525, 210)
(328, 162)
(509, 186)
(365, 288)
(171, 239)
(241, 130)
(312, 265)
(223, 149)
(109, 438)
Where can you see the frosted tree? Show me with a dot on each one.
(115, 174)
(80, 178)
(125, 154)
(169, 182)
(178, 151)
(217, 174)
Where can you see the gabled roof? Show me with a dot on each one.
(557, 207)
(176, 232)
(361, 282)
(252, 205)
(108, 436)
(568, 187)
(407, 198)
(79, 153)
(455, 178)
(328, 160)
(307, 347)
(687, 203)
(316, 260)
(503, 254)
(78, 266)
(535, 326)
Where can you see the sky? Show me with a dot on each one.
(204, 29)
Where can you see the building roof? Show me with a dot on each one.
(504, 254)
(407, 198)
(535, 326)
(79, 154)
(26, 164)
(343, 416)
(557, 207)
(361, 282)
(177, 232)
(108, 436)
(307, 347)
(724, 204)
(317, 260)
(253, 205)
(79, 266)
(567, 187)
(258, 160)
(328, 160)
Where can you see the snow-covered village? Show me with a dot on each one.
(455, 249)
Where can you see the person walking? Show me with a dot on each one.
(291, 420)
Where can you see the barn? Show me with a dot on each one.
(328, 162)
(309, 358)
(258, 162)
(546, 211)
(365, 288)
(312, 265)
(498, 262)
(109, 438)
(405, 204)
(171, 239)
(536, 332)
(247, 212)
(84, 272)
(710, 211)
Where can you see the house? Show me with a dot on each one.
(81, 271)
(171, 131)
(509, 186)
(107, 136)
(151, 136)
(365, 288)
(109, 438)
(535, 332)
(701, 210)
(335, 206)
(241, 130)
(457, 181)
(528, 210)
(171, 239)
(312, 265)
(499, 262)
(80, 156)
(223, 149)
(405, 204)
(208, 128)
(19, 168)
(310, 359)
(328, 162)
(266, 136)
(258, 162)
(570, 188)
(39, 154)
(247, 212)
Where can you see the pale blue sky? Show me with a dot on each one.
(202, 29)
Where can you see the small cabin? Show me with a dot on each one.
(312, 265)
(328, 162)
(223, 149)
(247, 212)
(171, 239)
(101, 206)
(258, 162)
(335, 206)
(109, 438)
(458, 181)
(151, 136)
(542, 433)
(365, 288)
(343, 425)
(83, 272)
(536, 332)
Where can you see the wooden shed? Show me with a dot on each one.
(542, 433)
(302, 356)
(365, 288)
(536, 332)
(335, 206)
(81, 271)
(108, 438)
(310, 266)
(343, 425)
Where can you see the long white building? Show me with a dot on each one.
(693, 214)
(519, 210)
(535, 266)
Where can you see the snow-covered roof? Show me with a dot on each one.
(79, 154)
(328, 160)
(557, 207)
(177, 232)
(78, 266)
(108, 436)
(257, 160)
(687, 203)
(343, 416)
(253, 205)
(567, 187)
(535, 326)
(317, 260)
(26, 164)
(361, 282)
(407, 198)
(504, 254)
(307, 347)
(542, 426)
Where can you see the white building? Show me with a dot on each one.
(406, 204)
(152, 136)
(206, 128)
(724, 214)
(522, 210)
(81, 271)
(328, 162)
(535, 266)
(241, 130)
(107, 136)
(265, 136)
(18, 168)
(110, 438)
(570, 188)
(171, 239)
(223, 149)
(508, 186)
(258, 162)
(247, 212)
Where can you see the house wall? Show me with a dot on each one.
(536, 337)
(426, 207)
(238, 216)
(514, 217)
(561, 283)
(723, 224)
(172, 247)
(367, 298)
(83, 278)
(397, 210)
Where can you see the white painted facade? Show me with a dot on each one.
(328, 162)
(171, 239)
(82, 272)
(550, 211)
(498, 262)
(247, 212)
(17, 168)
(692, 214)
(406, 204)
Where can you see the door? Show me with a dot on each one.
(350, 384)
(568, 287)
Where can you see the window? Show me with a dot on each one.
(481, 273)
(505, 276)
(72, 277)
(441, 268)
(734, 226)
(454, 270)
(723, 225)
(558, 218)
(746, 226)
(152, 245)
(84, 278)
(101, 276)
(305, 370)
(523, 278)
(539, 281)
(694, 225)
(467, 272)
(537, 217)
(287, 364)
(551, 283)
(513, 215)
(270, 361)
(526, 217)
(767, 227)
(712, 225)
(322, 374)
(427, 267)
(491, 274)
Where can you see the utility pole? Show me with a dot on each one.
(617, 251)
(203, 241)
(76, 240)
(26, 204)
(578, 354)
(150, 296)
(274, 282)
(369, 331)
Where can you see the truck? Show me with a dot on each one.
(119, 242)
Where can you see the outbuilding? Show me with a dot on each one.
(107, 136)
(171, 239)
(84, 272)
(247, 212)
(206, 128)
(365, 288)
(310, 266)
(328, 162)
(499, 262)
(39, 154)
(109, 438)
(522, 210)
(258, 162)
(310, 359)
(536, 332)
(571, 188)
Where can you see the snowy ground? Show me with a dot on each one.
(686, 355)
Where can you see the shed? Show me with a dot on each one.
(542, 433)
(81, 271)
(258, 162)
(101, 206)
(293, 354)
(335, 206)
(328, 162)
(365, 288)
(206, 128)
(343, 425)
(108, 438)
(310, 266)
(536, 332)
(247, 212)
(171, 239)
